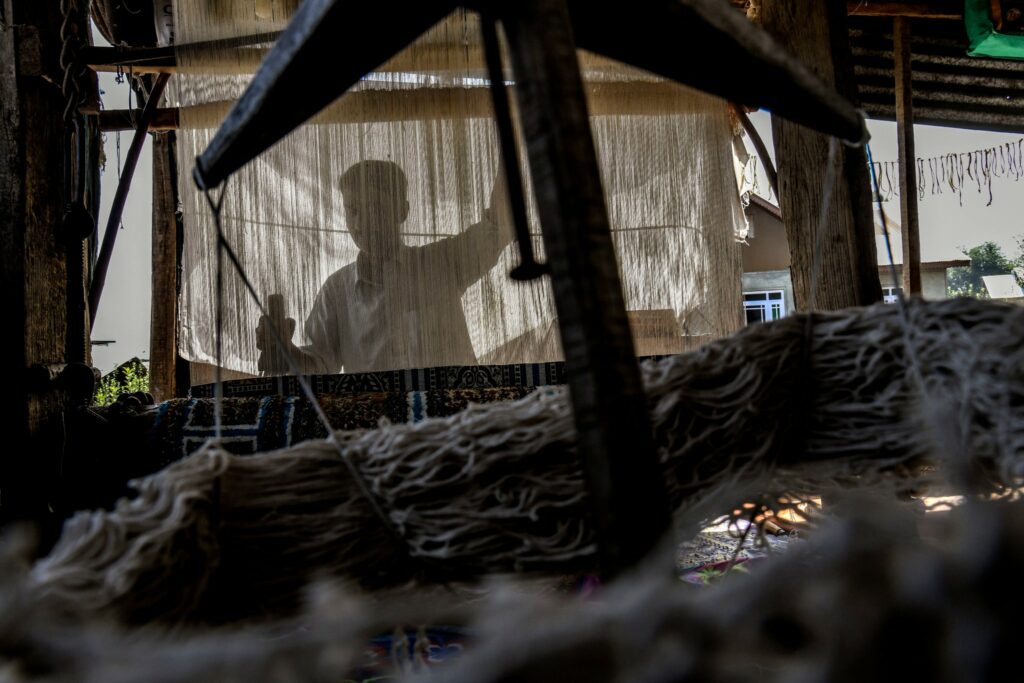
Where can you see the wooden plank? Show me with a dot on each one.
(627, 494)
(909, 232)
(33, 273)
(163, 120)
(923, 9)
(13, 400)
(162, 60)
(674, 40)
(816, 34)
(164, 67)
(637, 98)
(163, 347)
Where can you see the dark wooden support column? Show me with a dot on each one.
(33, 255)
(629, 502)
(816, 33)
(909, 232)
(163, 346)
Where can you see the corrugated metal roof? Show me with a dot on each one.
(950, 88)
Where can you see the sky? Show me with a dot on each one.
(945, 224)
(123, 315)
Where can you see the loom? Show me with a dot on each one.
(663, 153)
(539, 484)
(663, 163)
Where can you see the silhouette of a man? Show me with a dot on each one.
(396, 306)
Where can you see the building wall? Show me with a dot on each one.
(769, 281)
(933, 284)
(766, 262)
(933, 281)
(768, 248)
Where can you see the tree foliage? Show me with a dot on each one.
(128, 378)
(986, 259)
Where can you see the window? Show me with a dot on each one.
(763, 306)
(891, 295)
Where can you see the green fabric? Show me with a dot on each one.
(985, 40)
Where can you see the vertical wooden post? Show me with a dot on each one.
(816, 34)
(908, 159)
(163, 346)
(13, 401)
(628, 497)
(33, 253)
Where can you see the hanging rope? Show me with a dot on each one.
(72, 66)
(930, 409)
(78, 223)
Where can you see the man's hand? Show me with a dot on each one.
(272, 356)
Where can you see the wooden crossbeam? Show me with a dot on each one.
(163, 60)
(111, 120)
(634, 98)
(922, 9)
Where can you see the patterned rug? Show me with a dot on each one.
(252, 425)
(520, 375)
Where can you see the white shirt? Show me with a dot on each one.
(413, 319)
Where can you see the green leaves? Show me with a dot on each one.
(128, 378)
(986, 259)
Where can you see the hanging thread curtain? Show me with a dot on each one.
(403, 262)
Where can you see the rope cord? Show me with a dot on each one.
(218, 387)
(885, 227)
(73, 70)
(913, 365)
(72, 66)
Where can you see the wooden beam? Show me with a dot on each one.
(673, 39)
(33, 262)
(923, 9)
(640, 98)
(928, 9)
(141, 60)
(163, 347)
(816, 33)
(627, 494)
(168, 67)
(164, 119)
(907, 160)
(162, 59)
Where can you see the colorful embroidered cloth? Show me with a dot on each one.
(252, 425)
(398, 381)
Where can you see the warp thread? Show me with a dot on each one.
(956, 171)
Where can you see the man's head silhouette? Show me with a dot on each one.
(375, 194)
